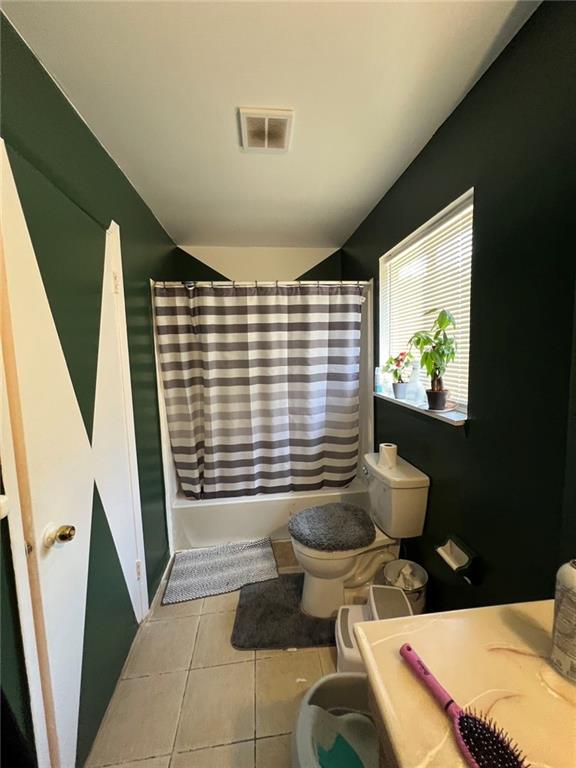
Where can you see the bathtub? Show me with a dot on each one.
(210, 522)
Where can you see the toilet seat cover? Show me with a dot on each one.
(333, 527)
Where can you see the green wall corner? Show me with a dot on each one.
(329, 268)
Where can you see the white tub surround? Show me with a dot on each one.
(209, 522)
(493, 659)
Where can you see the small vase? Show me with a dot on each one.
(437, 399)
(416, 392)
(399, 388)
(387, 385)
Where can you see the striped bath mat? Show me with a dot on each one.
(216, 570)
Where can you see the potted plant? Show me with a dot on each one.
(399, 367)
(437, 348)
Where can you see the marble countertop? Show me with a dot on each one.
(494, 659)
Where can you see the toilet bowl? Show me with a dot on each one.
(340, 547)
(332, 576)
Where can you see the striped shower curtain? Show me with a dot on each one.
(261, 384)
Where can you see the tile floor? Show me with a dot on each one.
(187, 699)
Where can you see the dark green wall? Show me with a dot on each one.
(329, 268)
(70, 191)
(499, 484)
(108, 605)
(14, 683)
(183, 266)
(568, 533)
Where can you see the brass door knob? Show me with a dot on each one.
(60, 534)
(65, 533)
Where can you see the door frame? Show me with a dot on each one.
(28, 596)
(114, 270)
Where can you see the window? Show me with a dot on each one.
(429, 270)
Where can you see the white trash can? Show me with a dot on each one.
(411, 578)
(336, 705)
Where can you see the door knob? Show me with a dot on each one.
(58, 534)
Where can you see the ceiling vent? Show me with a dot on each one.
(266, 130)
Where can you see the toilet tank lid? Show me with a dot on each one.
(403, 475)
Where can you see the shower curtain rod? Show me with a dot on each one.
(269, 282)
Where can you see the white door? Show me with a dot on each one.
(25, 584)
(61, 469)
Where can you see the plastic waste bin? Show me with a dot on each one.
(411, 578)
(334, 725)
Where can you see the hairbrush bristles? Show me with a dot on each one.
(490, 746)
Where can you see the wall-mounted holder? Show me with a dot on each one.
(460, 558)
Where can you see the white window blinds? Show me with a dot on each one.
(429, 270)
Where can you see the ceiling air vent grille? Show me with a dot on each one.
(266, 130)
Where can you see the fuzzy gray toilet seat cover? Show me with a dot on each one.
(333, 527)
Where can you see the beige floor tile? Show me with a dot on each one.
(151, 762)
(328, 659)
(274, 752)
(231, 756)
(272, 653)
(213, 645)
(141, 719)
(162, 646)
(219, 603)
(218, 707)
(280, 683)
(285, 557)
(159, 612)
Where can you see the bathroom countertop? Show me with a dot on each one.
(494, 659)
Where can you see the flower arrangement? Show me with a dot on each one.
(399, 367)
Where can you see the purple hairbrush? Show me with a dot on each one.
(480, 741)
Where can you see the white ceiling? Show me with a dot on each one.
(254, 262)
(159, 84)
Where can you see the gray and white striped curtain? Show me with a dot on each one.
(261, 385)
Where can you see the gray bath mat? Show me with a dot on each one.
(216, 570)
(269, 616)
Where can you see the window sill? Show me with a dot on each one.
(456, 418)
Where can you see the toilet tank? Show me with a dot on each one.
(398, 497)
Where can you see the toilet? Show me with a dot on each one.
(340, 547)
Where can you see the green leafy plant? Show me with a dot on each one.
(399, 367)
(437, 347)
